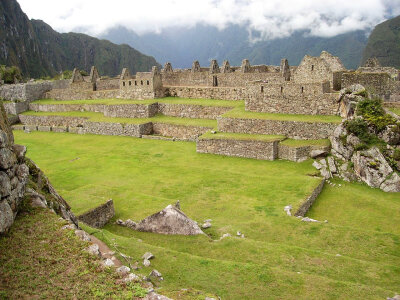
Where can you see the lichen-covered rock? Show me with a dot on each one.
(391, 135)
(169, 221)
(7, 158)
(20, 152)
(6, 216)
(372, 168)
(348, 98)
(339, 149)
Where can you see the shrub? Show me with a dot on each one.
(396, 154)
(10, 74)
(372, 111)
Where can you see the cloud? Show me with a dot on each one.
(271, 18)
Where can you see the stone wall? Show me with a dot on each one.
(230, 79)
(303, 209)
(222, 93)
(15, 108)
(179, 131)
(25, 91)
(107, 84)
(66, 107)
(296, 154)
(240, 148)
(292, 98)
(291, 129)
(99, 216)
(13, 174)
(377, 83)
(131, 110)
(73, 94)
(83, 126)
(192, 111)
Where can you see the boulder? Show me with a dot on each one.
(339, 149)
(148, 255)
(155, 296)
(20, 152)
(94, 249)
(170, 220)
(108, 263)
(132, 278)
(7, 158)
(123, 270)
(391, 135)
(5, 185)
(392, 184)
(83, 235)
(372, 168)
(318, 153)
(6, 216)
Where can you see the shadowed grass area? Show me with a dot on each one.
(168, 100)
(39, 260)
(242, 136)
(240, 113)
(395, 110)
(99, 117)
(280, 256)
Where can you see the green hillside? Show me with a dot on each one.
(38, 50)
(384, 43)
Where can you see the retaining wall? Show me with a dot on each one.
(250, 149)
(222, 93)
(296, 154)
(76, 94)
(179, 131)
(303, 209)
(291, 129)
(191, 111)
(99, 216)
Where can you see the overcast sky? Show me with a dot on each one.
(273, 18)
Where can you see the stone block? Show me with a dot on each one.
(17, 127)
(44, 128)
(59, 128)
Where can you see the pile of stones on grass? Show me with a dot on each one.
(366, 145)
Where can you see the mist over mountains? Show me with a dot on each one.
(181, 46)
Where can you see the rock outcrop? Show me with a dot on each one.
(170, 220)
(365, 144)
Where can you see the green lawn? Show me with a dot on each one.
(239, 112)
(99, 117)
(169, 100)
(280, 258)
(301, 143)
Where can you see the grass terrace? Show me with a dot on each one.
(99, 117)
(301, 143)
(242, 136)
(240, 113)
(167, 100)
(395, 110)
(356, 255)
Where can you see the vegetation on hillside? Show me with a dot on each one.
(384, 43)
(10, 74)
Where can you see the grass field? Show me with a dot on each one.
(356, 255)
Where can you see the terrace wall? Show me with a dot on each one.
(291, 129)
(179, 131)
(191, 111)
(99, 216)
(222, 93)
(250, 149)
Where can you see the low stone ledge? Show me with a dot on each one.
(296, 154)
(179, 131)
(103, 128)
(99, 216)
(30, 127)
(222, 93)
(66, 107)
(291, 129)
(59, 128)
(303, 209)
(241, 148)
(131, 110)
(17, 127)
(52, 120)
(44, 128)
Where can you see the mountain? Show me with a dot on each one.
(181, 46)
(38, 50)
(384, 43)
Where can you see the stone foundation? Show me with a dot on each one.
(78, 94)
(240, 148)
(291, 129)
(99, 216)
